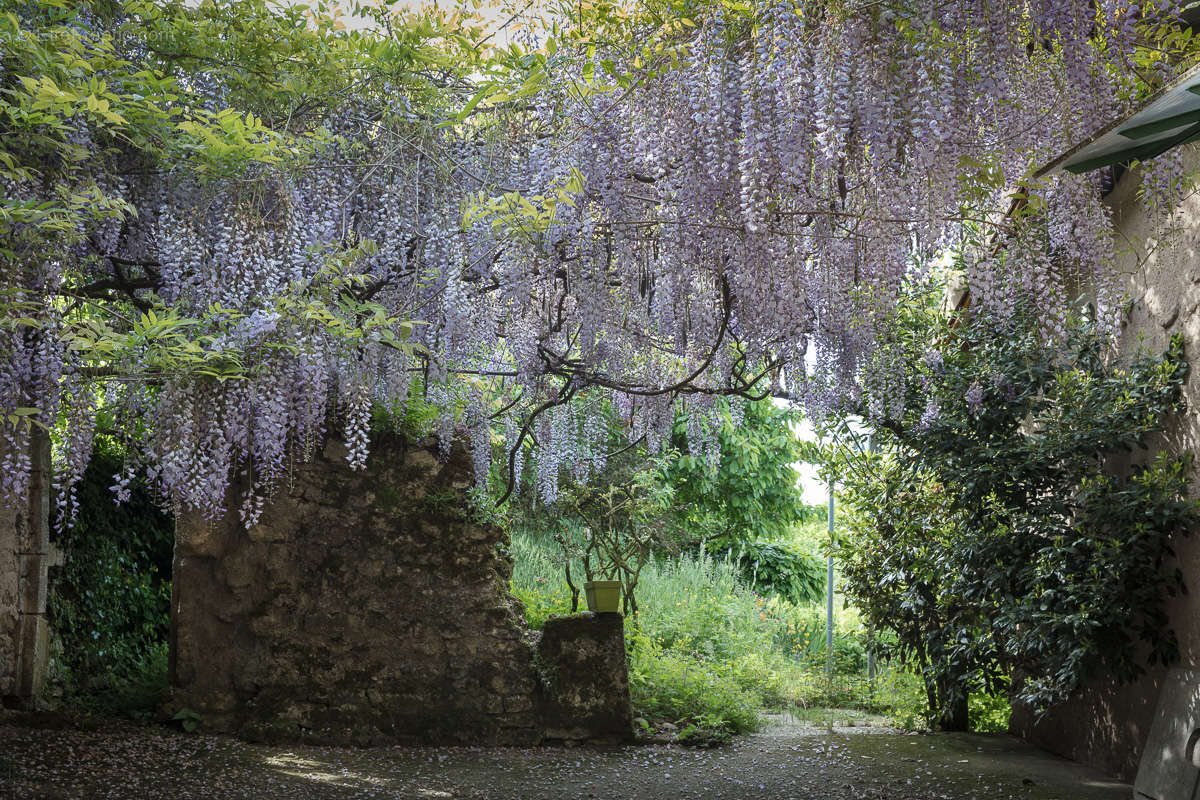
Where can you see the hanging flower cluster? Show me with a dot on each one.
(735, 214)
(750, 218)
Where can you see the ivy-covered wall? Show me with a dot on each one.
(109, 601)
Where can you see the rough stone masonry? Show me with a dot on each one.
(369, 608)
(25, 556)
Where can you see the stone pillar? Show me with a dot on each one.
(582, 659)
(11, 526)
(25, 556)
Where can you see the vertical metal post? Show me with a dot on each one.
(871, 638)
(829, 592)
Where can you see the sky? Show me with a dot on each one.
(815, 490)
(493, 12)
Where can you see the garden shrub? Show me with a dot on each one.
(901, 693)
(800, 632)
(780, 568)
(746, 491)
(989, 712)
(992, 530)
(684, 689)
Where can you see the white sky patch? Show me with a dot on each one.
(816, 492)
(502, 19)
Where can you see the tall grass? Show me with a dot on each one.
(709, 654)
(538, 578)
(705, 649)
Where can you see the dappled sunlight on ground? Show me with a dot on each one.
(121, 760)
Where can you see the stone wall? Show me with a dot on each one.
(11, 536)
(25, 556)
(582, 659)
(1107, 724)
(364, 608)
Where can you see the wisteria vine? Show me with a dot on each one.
(735, 212)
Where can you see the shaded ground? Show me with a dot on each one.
(127, 761)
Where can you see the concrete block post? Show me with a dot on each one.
(1170, 766)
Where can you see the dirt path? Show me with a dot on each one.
(145, 763)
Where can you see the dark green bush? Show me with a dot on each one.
(781, 569)
(993, 530)
(109, 603)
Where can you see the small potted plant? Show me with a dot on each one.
(611, 531)
(603, 596)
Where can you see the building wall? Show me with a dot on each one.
(11, 529)
(1159, 256)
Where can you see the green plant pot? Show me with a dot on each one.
(603, 596)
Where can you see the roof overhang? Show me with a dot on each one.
(1168, 119)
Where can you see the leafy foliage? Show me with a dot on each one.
(150, 157)
(109, 603)
(737, 484)
(736, 492)
(731, 491)
(782, 569)
(188, 719)
(706, 650)
(669, 684)
(998, 528)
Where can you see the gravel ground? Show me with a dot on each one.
(132, 762)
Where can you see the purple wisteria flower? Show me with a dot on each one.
(930, 415)
(974, 398)
(933, 360)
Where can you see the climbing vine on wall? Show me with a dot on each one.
(110, 600)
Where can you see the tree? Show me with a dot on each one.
(738, 483)
(755, 178)
(736, 493)
(997, 530)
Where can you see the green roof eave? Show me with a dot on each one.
(1142, 152)
(1168, 119)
